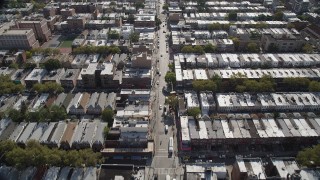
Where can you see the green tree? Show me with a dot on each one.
(198, 49)
(107, 116)
(134, 37)
(253, 47)
(209, 48)
(29, 65)
(170, 77)
(52, 64)
(8, 87)
(106, 132)
(28, 54)
(15, 115)
(214, 26)
(14, 65)
(187, 49)
(314, 86)
(232, 16)
(139, 5)
(172, 101)
(273, 48)
(48, 87)
(261, 25)
(194, 112)
(309, 157)
(131, 19)
(236, 42)
(113, 34)
(204, 85)
(171, 67)
(307, 48)
(165, 7)
(112, 3)
(57, 113)
(296, 83)
(278, 16)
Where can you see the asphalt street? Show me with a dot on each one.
(162, 164)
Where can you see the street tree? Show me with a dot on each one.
(172, 101)
(170, 77)
(214, 26)
(107, 116)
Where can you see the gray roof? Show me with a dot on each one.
(27, 132)
(64, 173)
(52, 173)
(8, 103)
(80, 131)
(90, 130)
(111, 100)
(48, 132)
(60, 99)
(17, 131)
(8, 131)
(58, 133)
(4, 123)
(4, 172)
(67, 100)
(70, 74)
(28, 173)
(99, 136)
(90, 173)
(102, 101)
(77, 174)
(38, 131)
(93, 100)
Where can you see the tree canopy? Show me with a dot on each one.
(52, 64)
(307, 48)
(172, 101)
(35, 154)
(204, 85)
(134, 37)
(232, 16)
(253, 47)
(107, 116)
(48, 87)
(309, 157)
(113, 34)
(97, 49)
(170, 77)
(194, 112)
(8, 87)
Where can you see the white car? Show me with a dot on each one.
(160, 107)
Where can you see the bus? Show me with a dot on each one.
(170, 146)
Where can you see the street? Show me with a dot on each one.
(162, 164)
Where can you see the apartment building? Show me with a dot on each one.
(284, 42)
(69, 78)
(141, 60)
(40, 28)
(18, 39)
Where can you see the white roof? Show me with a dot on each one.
(184, 128)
